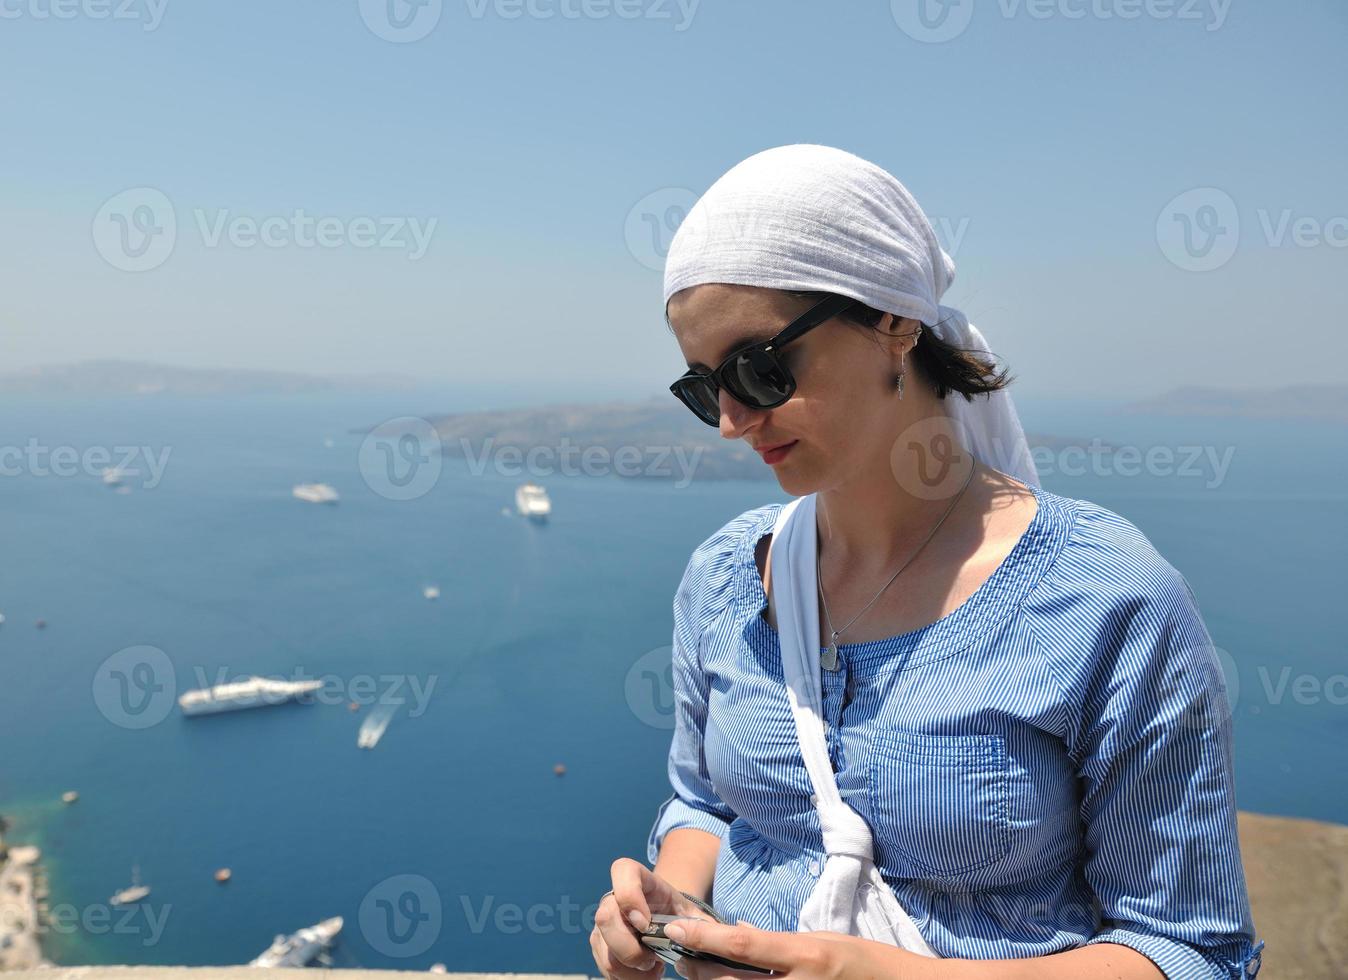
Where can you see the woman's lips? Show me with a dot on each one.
(771, 456)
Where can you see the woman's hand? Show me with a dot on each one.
(797, 955)
(637, 892)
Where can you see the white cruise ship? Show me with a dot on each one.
(315, 493)
(254, 692)
(302, 947)
(532, 501)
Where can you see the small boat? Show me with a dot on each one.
(431, 592)
(112, 476)
(223, 875)
(375, 724)
(133, 894)
(315, 493)
(301, 948)
(69, 797)
(254, 692)
(532, 501)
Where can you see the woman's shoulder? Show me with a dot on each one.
(1106, 555)
(1111, 601)
(1120, 630)
(736, 537)
(716, 565)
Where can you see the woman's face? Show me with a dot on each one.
(845, 414)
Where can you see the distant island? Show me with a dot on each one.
(661, 440)
(1325, 402)
(112, 377)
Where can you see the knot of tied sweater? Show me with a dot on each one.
(845, 833)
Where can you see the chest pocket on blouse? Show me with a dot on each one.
(938, 802)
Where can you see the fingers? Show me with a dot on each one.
(757, 947)
(613, 969)
(615, 928)
(632, 882)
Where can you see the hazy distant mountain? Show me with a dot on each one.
(654, 439)
(1325, 402)
(135, 378)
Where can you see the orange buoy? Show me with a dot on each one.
(559, 769)
(353, 706)
(223, 875)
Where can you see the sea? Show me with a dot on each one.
(532, 716)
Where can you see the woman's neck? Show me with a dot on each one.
(882, 515)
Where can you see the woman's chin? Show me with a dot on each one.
(795, 482)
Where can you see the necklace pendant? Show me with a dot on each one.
(829, 659)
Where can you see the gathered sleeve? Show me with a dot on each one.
(704, 590)
(1151, 741)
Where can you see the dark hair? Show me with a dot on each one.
(946, 367)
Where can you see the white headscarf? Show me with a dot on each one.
(811, 217)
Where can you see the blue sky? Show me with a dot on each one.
(527, 140)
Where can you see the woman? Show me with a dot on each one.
(1019, 699)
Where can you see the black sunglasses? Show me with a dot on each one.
(754, 374)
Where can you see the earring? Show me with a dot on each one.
(898, 381)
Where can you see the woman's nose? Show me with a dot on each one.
(736, 417)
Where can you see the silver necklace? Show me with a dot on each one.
(830, 659)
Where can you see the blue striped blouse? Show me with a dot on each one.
(1047, 766)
